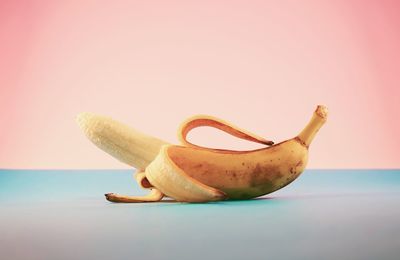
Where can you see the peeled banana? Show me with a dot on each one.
(191, 173)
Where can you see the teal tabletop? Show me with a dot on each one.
(325, 214)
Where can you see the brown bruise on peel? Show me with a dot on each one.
(262, 174)
(281, 180)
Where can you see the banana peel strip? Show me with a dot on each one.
(210, 121)
(172, 181)
(154, 196)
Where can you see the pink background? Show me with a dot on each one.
(263, 65)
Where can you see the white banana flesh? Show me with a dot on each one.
(120, 141)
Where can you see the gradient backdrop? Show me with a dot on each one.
(263, 65)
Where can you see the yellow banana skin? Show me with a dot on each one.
(191, 173)
(243, 174)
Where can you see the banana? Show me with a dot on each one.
(193, 173)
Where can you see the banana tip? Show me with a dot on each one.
(82, 119)
(108, 196)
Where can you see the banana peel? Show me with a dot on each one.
(192, 173)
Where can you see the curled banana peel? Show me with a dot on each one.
(192, 173)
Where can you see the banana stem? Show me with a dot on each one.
(318, 119)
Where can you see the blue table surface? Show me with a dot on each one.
(325, 214)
